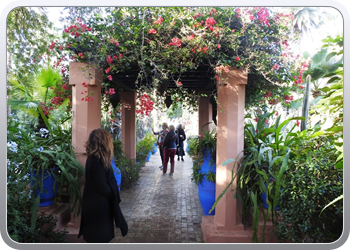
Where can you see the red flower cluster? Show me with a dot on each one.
(198, 15)
(114, 41)
(111, 91)
(275, 67)
(212, 11)
(175, 42)
(152, 31)
(109, 59)
(288, 98)
(209, 23)
(159, 21)
(145, 105)
(299, 79)
(191, 37)
(78, 29)
(46, 108)
(270, 100)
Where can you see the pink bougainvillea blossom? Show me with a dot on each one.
(109, 59)
(175, 42)
(152, 31)
(111, 91)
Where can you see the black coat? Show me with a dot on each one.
(181, 132)
(100, 205)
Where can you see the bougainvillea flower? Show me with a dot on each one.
(109, 59)
(152, 31)
(110, 78)
(111, 91)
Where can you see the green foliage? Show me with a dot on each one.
(44, 151)
(24, 225)
(192, 143)
(207, 141)
(210, 176)
(312, 182)
(28, 34)
(144, 146)
(196, 146)
(129, 168)
(196, 166)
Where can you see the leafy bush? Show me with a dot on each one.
(311, 183)
(143, 147)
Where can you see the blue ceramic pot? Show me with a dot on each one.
(206, 189)
(149, 156)
(49, 186)
(117, 174)
(155, 149)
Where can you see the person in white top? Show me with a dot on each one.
(161, 135)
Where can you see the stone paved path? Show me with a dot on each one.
(162, 209)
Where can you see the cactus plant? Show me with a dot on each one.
(305, 108)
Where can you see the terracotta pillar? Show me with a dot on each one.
(205, 114)
(226, 225)
(86, 85)
(128, 100)
(86, 104)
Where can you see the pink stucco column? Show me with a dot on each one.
(128, 100)
(86, 111)
(230, 143)
(205, 114)
(86, 104)
(226, 225)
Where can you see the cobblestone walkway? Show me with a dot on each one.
(162, 209)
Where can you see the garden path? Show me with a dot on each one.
(162, 209)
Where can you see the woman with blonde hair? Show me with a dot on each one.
(100, 205)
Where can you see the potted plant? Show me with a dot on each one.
(203, 152)
(143, 149)
(149, 137)
(48, 157)
(129, 168)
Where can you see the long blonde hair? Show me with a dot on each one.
(100, 145)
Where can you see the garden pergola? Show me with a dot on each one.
(226, 225)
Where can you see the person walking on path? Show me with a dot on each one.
(161, 135)
(170, 143)
(182, 137)
(100, 204)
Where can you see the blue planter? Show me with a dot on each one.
(206, 193)
(188, 148)
(206, 189)
(49, 186)
(148, 156)
(117, 174)
(155, 149)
